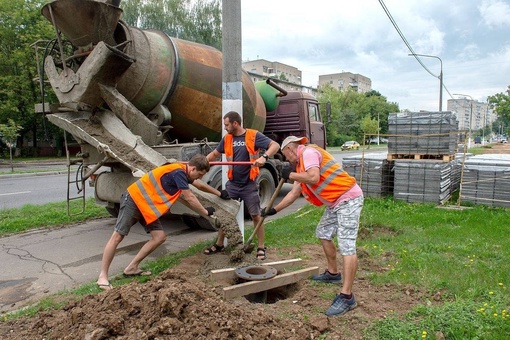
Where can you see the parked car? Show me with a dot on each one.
(350, 145)
(374, 140)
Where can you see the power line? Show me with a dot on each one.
(394, 23)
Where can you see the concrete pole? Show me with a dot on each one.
(232, 86)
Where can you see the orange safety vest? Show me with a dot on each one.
(333, 182)
(249, 141)
(150, 197)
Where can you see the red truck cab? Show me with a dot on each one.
(298, 114)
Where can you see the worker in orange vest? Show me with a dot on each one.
(322, 181)
(148, 199)
(242, 145)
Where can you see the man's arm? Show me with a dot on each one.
(271, 150)
(213, 155)
(291, 196)
(193, 202)
(311, 176)
(205, 187)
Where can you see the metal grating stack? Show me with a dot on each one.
(407, 130)
(431, 140)
(376, 180)
(487, 180)
(422, 181)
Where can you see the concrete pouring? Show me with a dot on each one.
(39, 263)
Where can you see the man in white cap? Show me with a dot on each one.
(322, 181)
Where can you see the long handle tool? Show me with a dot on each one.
(248, 247)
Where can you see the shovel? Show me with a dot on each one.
(248, 247)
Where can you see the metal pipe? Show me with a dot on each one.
(271, 83)
(226, 163)
(440, 76)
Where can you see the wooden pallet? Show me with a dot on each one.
(445, 158)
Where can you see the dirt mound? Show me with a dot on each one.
(185, 303)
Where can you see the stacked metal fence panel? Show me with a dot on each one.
(422, 181)
(372, 172)
(432, 139)
(426, 133)
(486, 180)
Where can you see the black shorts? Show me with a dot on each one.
(129, 215)
(248, 192)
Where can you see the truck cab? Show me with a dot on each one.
(297, 114)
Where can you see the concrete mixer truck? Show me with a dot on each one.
(136, 99)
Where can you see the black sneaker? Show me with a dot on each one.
(341, 305)
(328, 277)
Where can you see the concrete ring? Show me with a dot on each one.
(256, 273)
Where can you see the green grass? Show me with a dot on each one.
(461, 253)
(31, 217)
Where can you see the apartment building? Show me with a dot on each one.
(274, 69)
(346, 80)
(471, 111)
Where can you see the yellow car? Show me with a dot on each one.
(350, 145)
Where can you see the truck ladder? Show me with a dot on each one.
(78, 181)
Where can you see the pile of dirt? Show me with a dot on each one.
(184, 302)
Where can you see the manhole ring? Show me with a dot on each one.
(256, 273)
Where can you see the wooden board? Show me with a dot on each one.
(251, 287)
(229, 273)
(444, 158)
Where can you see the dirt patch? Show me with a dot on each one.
(184, 303)
(498, 148)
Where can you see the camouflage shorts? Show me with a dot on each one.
(342, 220)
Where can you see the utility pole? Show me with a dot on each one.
(232, 84)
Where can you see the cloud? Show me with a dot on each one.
(495, 14)
(331, 36)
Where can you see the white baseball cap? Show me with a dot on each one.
(293, 139)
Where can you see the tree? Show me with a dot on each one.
(500, 103)
(194, 20)
(369, 126)
(22, 25)
(349, 109)
(9, 133)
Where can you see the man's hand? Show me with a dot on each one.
(286, 172)
(224, 195)
(210, 211)
(270, 212)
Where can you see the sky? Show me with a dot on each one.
(471, 37)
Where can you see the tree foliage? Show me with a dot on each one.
(354, 113)
(193, 20)
(500, 103)
(9, 132)
(21, 25)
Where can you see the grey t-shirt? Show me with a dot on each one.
(242, 172)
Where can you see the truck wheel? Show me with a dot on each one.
(199, 222)
(266, 187)
(113, 211)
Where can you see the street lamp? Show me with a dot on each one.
(440, 76)
(470, 115)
